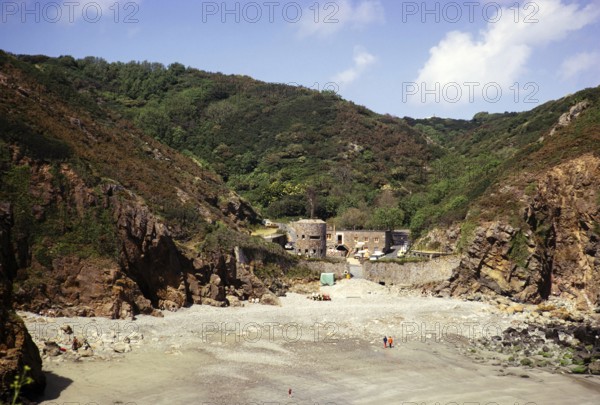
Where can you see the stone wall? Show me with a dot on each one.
(411, 274)
(320, 266)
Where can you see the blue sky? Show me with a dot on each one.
(405, 58)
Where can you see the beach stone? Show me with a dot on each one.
(269, 299)
(136, 337)
(215, 279)
(582, 357)
(121, 347)
(594, 367)
(233, 301)
(213, 303)
(51, 349)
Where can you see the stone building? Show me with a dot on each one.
(360, 240)
(310, 238)
(342, 241)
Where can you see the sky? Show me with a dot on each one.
(405, 58)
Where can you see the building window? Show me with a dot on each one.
(303, 237)
(366, 238)
(376, 240)
(356, 239)
(328, 236)
(317, 237)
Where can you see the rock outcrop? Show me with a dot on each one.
(565, 214)
(556, 251)
(151, 270)
(499, 260)
(568, 117)
(440, 239)
(17, 349)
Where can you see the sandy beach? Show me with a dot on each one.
(326, 352)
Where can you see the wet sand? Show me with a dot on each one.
(192, 357)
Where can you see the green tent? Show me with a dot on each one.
(327, 278)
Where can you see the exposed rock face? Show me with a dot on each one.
(148, 255)
(17, 349)
(566, 214)
(440, 239)
(150, 272)
(110, 220)
(557, 251)
(489, 265)
(570, 116)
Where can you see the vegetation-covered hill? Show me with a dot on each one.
(107, 220)
(116, 179)
(493, 150)
(287, 150)
(291, 151)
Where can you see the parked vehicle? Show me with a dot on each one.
(378, 254)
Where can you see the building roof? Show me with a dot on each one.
(361, 230)
(311, 221)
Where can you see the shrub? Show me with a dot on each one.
(519, 252)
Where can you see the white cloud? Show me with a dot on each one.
(327, 18)
(362, 60)
(500, 52)
(578, 64)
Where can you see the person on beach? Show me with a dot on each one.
(290, 393)
(75, 345)
(391, 341)
(385, 340)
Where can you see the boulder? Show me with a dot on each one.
(121, 347)
(51, 349)
(269, 299)
(233, 301)
(594, 367)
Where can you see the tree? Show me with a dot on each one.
(353, 218)
(387, 218)
(311, 198)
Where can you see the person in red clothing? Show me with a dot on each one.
(75, 344)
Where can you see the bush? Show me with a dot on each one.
(519, 252)
(38, 145)
(467, 233)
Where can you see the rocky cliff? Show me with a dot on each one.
(108, 221)
(555, 251)
(150, 268)
(17, 349)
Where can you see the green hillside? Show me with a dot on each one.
(274, 144)
(97, 204)
(293, 152)
(492, 150)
